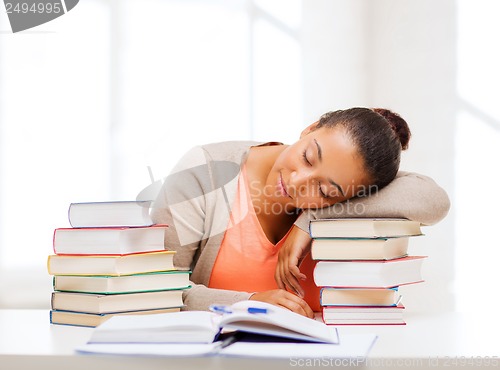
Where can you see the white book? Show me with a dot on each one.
(363, 228)
(204, 326)
(342, 315)
(113, 303)
(359, 248)
(93, 319)
(163, 280)
(359, 297)
(110, 214)
(350, 346)
(109, 240)
(368, 274)
(103, 265)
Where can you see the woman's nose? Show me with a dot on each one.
(299, 180)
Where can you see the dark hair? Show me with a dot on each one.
(379, 134)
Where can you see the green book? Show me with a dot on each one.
(158, 281)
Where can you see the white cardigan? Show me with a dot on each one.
(196, 200)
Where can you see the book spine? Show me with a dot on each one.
(54, 241)
(69, 214)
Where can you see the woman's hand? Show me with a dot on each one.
(295, 247)
(280, 297)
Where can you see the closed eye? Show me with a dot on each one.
(322, 193)
(304, 155)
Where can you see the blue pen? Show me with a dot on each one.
(221, 309)
(257, 310)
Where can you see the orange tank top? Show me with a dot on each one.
(247, 259)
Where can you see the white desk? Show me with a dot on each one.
(27, 341)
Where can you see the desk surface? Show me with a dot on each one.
(27, 339)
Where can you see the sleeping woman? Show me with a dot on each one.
(238, 212)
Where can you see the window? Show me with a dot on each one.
(91, 99)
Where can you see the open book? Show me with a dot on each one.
(355, 346)
(204, 327)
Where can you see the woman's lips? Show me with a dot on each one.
(282, 187)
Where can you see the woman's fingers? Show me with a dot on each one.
(298, 305)
(288, 274)
(279, 273)
(292, 280)
(280, 297)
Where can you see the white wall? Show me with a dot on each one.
(414, 72)
(401, 55)
(335, 56)
(280, 64)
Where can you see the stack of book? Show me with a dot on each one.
(358, 266)
(112, 261)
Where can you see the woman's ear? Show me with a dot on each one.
(308, 129)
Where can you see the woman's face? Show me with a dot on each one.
(319, 170)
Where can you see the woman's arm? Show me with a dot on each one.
(409, 195)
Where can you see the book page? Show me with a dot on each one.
(175, 327)
(277, 321)
(149, 349)
(350, 346)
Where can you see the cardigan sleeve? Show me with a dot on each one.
(409, 195)
(185, 203)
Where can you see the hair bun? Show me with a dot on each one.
(398, 124)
